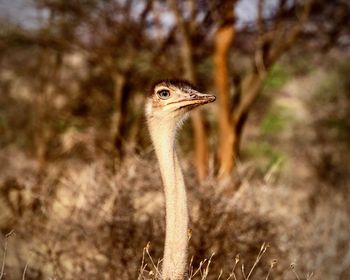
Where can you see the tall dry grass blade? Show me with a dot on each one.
(206, 270)
(263, 249)
(220, 274)
(158, 274)
(199, 269)
(292, 267)
(273, 263)
(190, 268)
(24, 272)
(233, 273)
(143, 266)
(2, 273)
(243, 272)
(309, 275)
(7, 236)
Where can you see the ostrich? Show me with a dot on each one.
(166, 108)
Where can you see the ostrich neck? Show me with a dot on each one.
(175, 251)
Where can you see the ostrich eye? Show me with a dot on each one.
(164, 94)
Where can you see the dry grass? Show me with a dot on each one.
(151, 270)
(88, 221)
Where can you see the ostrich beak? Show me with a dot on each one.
(201, 98)
(195, 99)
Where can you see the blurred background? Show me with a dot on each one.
(269, 161)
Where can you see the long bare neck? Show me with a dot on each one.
(175, 251)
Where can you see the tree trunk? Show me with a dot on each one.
(227, 138)
(120, 115)
(269, 49)
(249, 90)
(198, 123)
(232, 121)
(201, 145)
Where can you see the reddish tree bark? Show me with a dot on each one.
(223, 40)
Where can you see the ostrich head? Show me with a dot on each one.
(171, 100)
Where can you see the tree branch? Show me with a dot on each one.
(282, 45)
